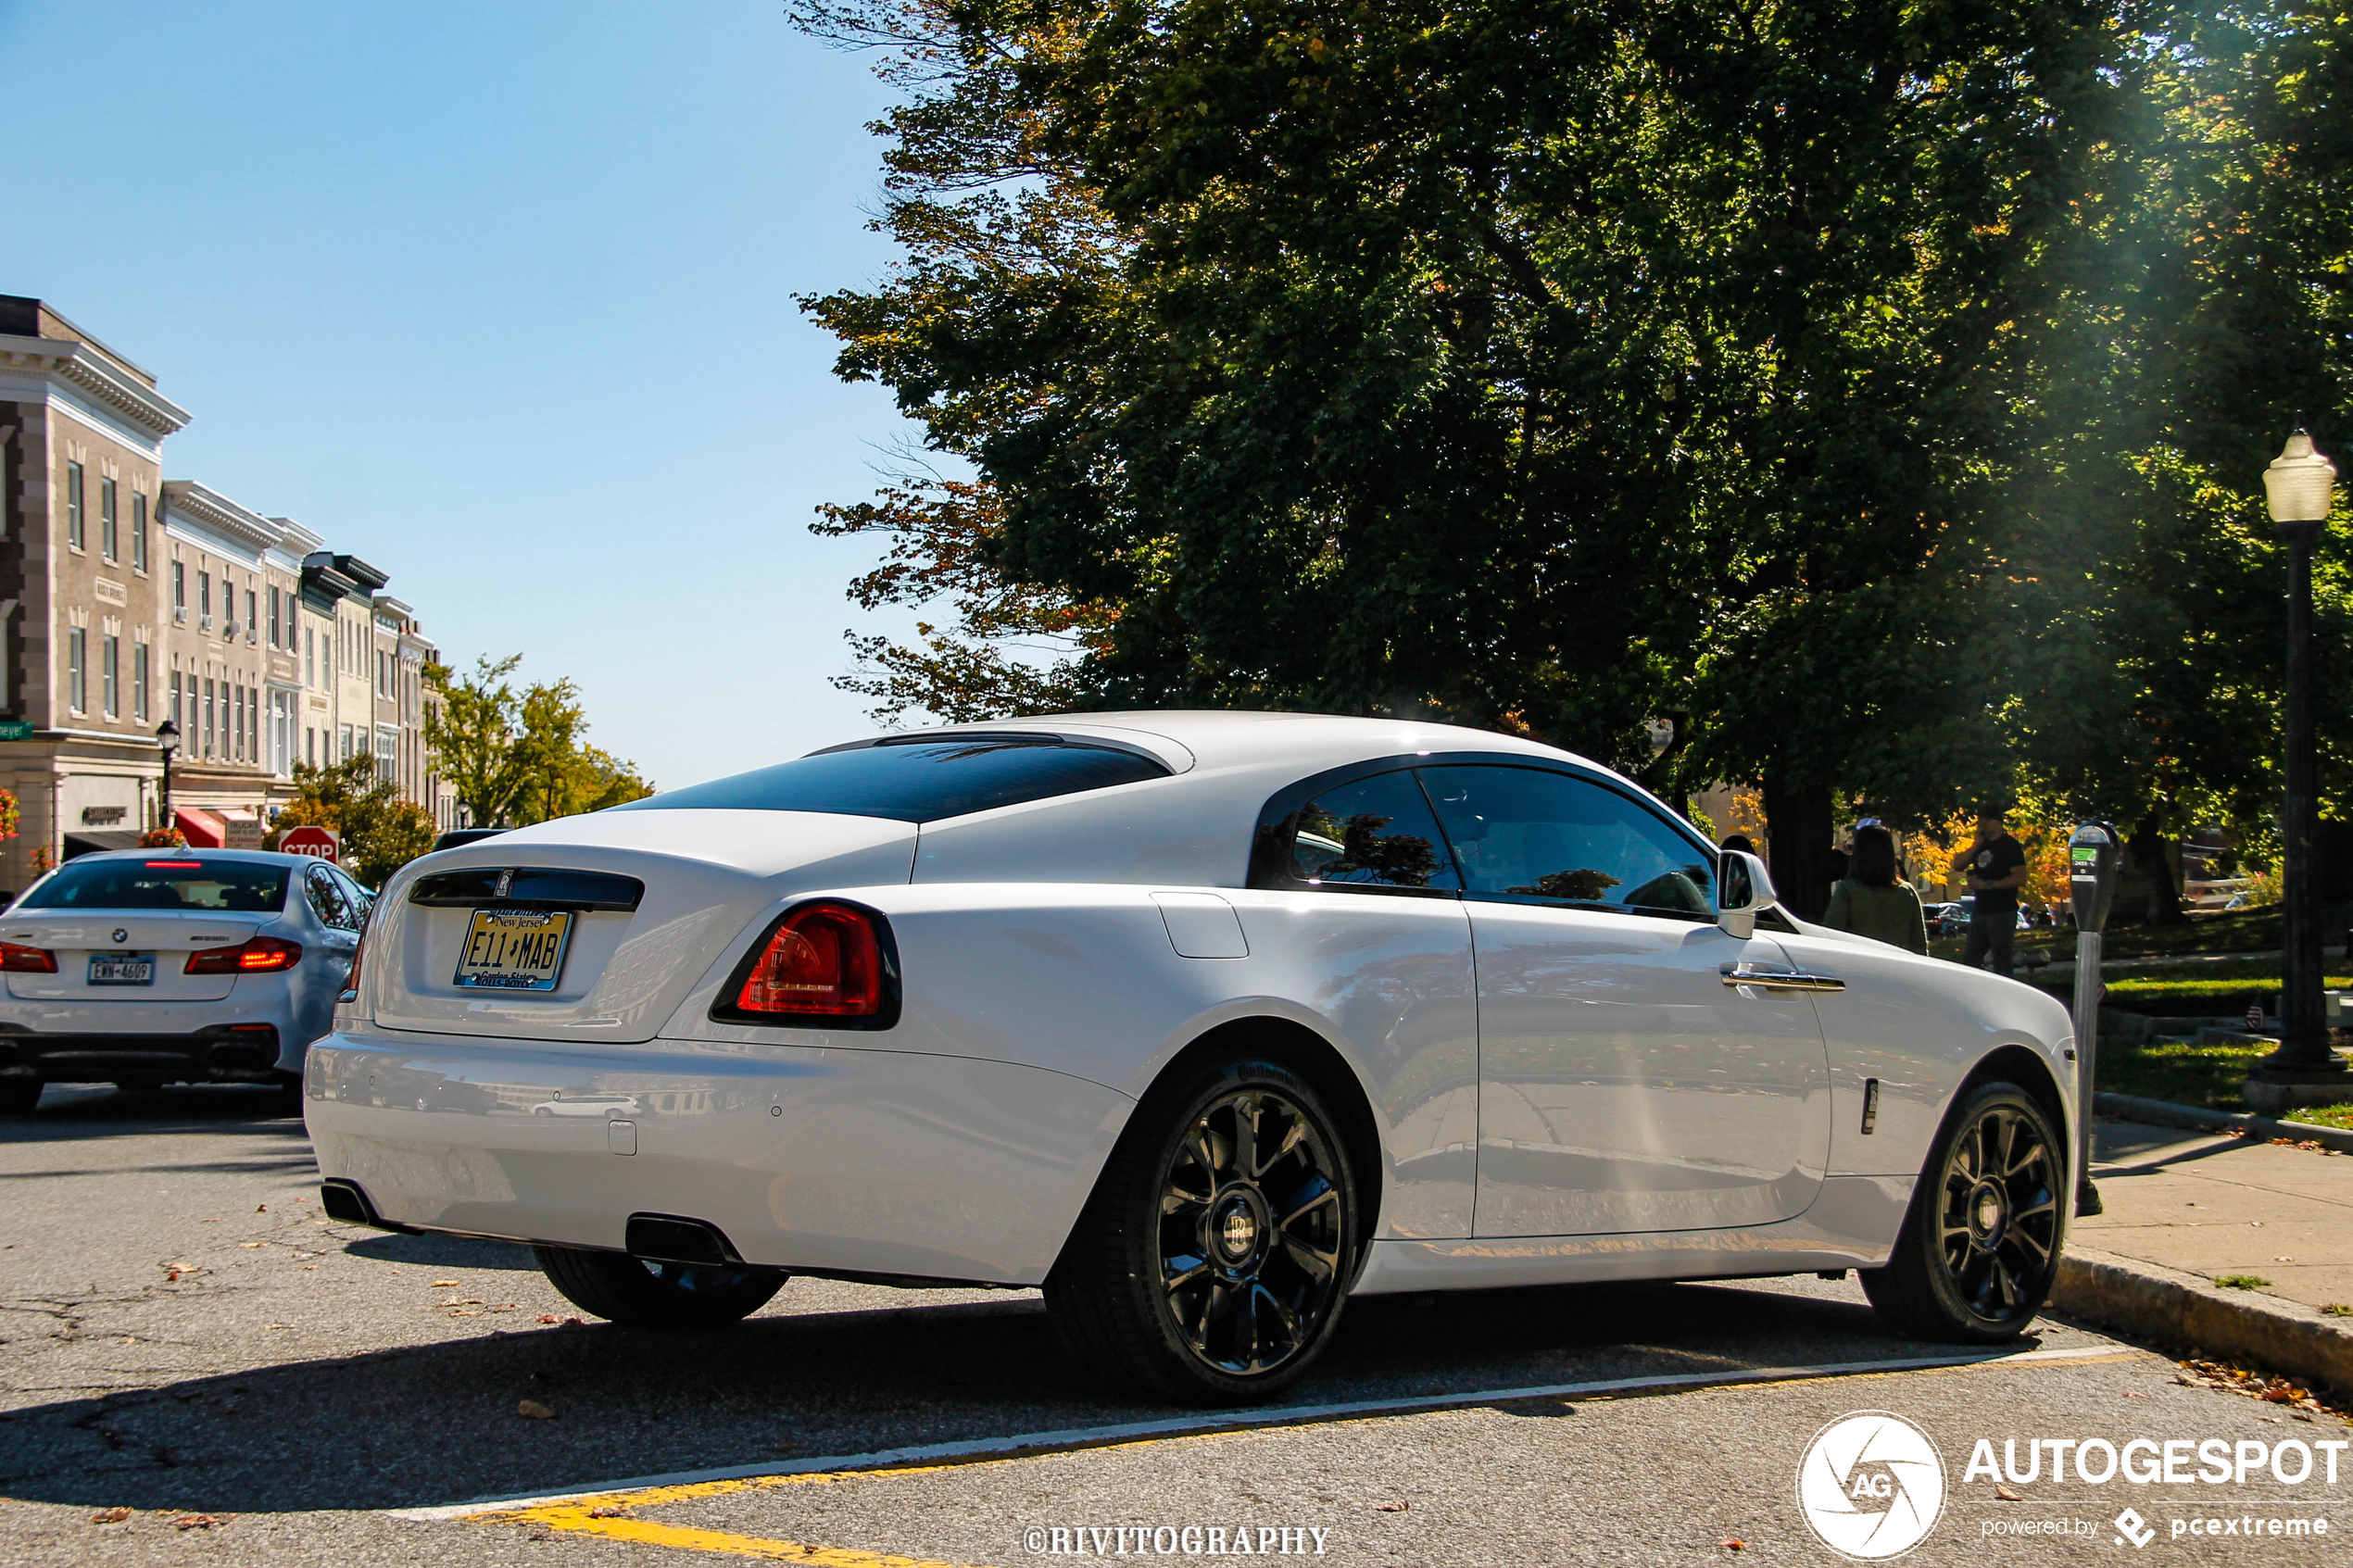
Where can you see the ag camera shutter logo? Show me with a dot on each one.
(1871, 1485)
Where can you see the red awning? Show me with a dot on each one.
(201, 829)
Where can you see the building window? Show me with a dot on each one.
(343, 742)
(309, 746)
(204, 600)
(273, 617)
(139, 682)
(138, 532)
(109, 663)
(210, 748)
(178, 721)
(73, 505)
(253, 629)
(109, 540)
(180, 592)
(77, 671)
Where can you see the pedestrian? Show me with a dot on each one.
(1738, 842)
(1871, 901)
(1997, 871)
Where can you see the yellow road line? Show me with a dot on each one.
(612, 1515)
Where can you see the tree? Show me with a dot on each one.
(1800, 372)
(379, 830)
(517, 758)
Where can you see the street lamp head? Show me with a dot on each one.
(2300, 485)
(168, 735)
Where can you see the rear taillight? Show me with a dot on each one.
(27, 960)
(822, 958)
(260, 955)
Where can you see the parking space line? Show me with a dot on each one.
(605, 1508)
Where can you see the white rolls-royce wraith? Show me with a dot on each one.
(1201, 1021)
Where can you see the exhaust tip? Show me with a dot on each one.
(672, 1238)
(348, 1202)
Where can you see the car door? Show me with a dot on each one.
(1634, 1075)
(1354, 909)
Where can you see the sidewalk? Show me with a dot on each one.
(2212, 1206)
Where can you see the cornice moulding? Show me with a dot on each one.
(209, 507)
(75, 362)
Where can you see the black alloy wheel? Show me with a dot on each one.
(18, 1096)
(646, 1293)
(1212, 1264)
(1981, 1247)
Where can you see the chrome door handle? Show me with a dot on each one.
(1779, 977)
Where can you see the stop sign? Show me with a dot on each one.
(321, 842)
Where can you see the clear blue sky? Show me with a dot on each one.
(498, 297)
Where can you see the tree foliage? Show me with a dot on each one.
(517, 757)
(1879, 390)
(379, 829)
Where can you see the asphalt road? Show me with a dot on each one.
(182, 1334)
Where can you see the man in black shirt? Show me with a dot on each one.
(1997, 871)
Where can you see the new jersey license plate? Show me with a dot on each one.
(122, 969)
(515, 950)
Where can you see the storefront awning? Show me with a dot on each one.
(89, 842)
(202, 829)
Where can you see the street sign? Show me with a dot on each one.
(321, 842)
(16, 729)
(2254, 1015)
(241, 832)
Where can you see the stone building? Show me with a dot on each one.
(127, 600)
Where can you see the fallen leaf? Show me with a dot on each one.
(575, 1323)
(200, 1521)
(610, 1511)
(462, 1312)
(2284, 1260)
(110, 1516)
(215, 1222)
(2279, 1396)
(2271, 1421)
(281, 1326)
(445, 1284)
(2134, 1394)
(1391, 1507)
(548, 1317)
(261, 1208)
(533, 1410)
(1733, 1543)
(249, 1246)
(2010, 1494)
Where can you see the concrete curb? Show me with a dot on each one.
(2183, 1312)
(2165, 1113)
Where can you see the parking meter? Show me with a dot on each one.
(2092, 854)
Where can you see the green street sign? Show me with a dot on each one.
(16, 729)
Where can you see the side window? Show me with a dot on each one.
(327, 899)
(1530, 836)
(359, 898)
(1374, 832)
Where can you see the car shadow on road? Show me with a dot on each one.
(69, 1112)
(440, 1423)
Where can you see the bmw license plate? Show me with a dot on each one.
(515, 950)
(122, 969)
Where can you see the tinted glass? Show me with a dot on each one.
(1529, 836)
(915, 782)
(174, 883)
(1375, 832)
(328, 902)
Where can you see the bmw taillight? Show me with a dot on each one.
(27, 960)
(260, 955)
(824, 960)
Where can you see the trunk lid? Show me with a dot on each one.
(705, 875)
(76, 936)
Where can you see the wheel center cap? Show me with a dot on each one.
(1236, 1230)
(1989, 1207)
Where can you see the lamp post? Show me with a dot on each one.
(2300, 487)
(167, 742)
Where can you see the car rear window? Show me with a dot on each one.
(916, 781)
(255, 886)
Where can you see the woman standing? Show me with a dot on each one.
(1872, 902)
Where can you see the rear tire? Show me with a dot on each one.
(1212, 1262)
(18, 1096)
(1980, 1247)
(639, 1293)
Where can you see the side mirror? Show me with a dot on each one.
(1744, 886)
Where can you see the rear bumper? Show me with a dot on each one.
(809, 1158)
(217, 1053)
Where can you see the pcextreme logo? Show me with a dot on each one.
(1871, 1485)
